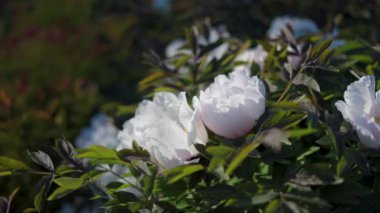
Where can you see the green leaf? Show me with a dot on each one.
(131, 155)
(258, 199)
(96, 152)
(216, 194)
(340, 165)
(65, 169)
(180, 172)
(299, 133)
(220, 151)
(125, 197)
(310, 200)
(273, 206)
(215, 163)
(42, 159)
(361, 58)
(69, 182)
(168, 192)
(150, 80)
(346, 193)
(325, 56)
(211, 47)
(241, 155)
(333, 140)
(201, 148)
(40, 197)
(164, 89)
(316, 174)
(100, 154)
(181, 61)
(264, 198)
(139, 149)
(350, 46)
(310, 151)
(303, 79)
(60, 192)
(317, 50)
(12, 163)
(5, 173)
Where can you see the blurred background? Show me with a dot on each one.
(62, 61)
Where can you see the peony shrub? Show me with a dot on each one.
(230, 125)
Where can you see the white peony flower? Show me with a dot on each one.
(301, 26)
(101, 132)
(167, 128)
(362, 109)
(257, 55)
(231, 105)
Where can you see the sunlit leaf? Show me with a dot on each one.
(241, 155)
(42, 159)
(303, 79)
(69, 182)
(12, 163)
(180, 172)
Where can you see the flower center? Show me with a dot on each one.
(377, 119)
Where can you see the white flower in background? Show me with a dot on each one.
(162, 5)
(362, 109)
(214, 35)
(294, 60)
(257, 55)
(175, 47)
(167, 128)
(231, 105)
(301, 26)
(119, 173)
(101, 132)
(336, 43)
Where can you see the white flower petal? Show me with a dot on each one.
(301, 26)
(360, 109)
(231, 105)
(176, 48)
(376, 107)
(360, 95)
(167, 128)
(257, 55)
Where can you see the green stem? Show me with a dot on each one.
(124, 179)
(290, 83)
